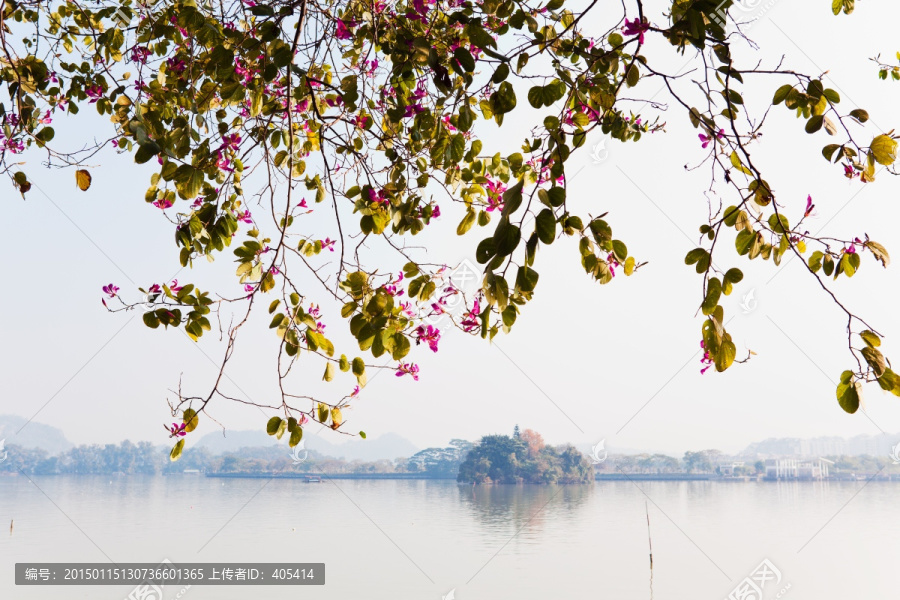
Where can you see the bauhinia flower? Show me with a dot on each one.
(177, 429)
(809, 206)
(706, 139)
(706, 360)
(111, 290)
(163, 203)
(175, 287)
(408, 369)
(636, 27)
(94, 92)
(343, 29)
(428, 334)
(471, 321)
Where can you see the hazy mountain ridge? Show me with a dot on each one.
(35, 435)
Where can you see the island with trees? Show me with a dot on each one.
(523, 458)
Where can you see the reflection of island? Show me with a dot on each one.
(511, 507)
(523, 458)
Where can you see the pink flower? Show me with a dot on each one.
(636, 28)
(355, 391)
(471, 321)
(809, 206)
(706, 360)
(302, 203)
(329, 244)
(140, 54)
(111, 290)
(94, 92)
(175, 287)
(429, 335)
(707, 139)
(163, 203)
(495, 191)
(408, 369)
(245, 217)
(177, 429)
(314, 311)
(343, 32)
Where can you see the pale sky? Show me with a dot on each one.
(618, 362)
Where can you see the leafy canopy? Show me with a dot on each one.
(277, 134)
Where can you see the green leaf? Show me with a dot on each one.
(633, 75)
(526, 279)
(713, 294)
(781, 93)
(875, 359)
(272, 425)
(506, 237)
(815, 123)
(467, 222)
(848, 392)
(329, 371)
(504, 99)
(545, 225)
(362, 434)
(860, 115)
(695, 255)
(884, 148)
(724, 358)
(191, 419)
(145, 152)
(296, 436)
(175, 454)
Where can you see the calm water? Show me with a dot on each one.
(385, 540)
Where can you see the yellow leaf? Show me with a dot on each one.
(83, 179)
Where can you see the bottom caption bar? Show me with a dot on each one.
(167, 573)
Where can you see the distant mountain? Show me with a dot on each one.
(388, 446)
(230, 440)
(35, 435)
(861, 445)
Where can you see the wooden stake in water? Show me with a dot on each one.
(650, 542)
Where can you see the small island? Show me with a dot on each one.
(523, 458)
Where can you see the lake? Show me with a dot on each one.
(421, 539)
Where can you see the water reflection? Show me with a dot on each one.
(501, 506)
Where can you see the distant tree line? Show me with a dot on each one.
(521, 458)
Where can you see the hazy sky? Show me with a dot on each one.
(584, 363)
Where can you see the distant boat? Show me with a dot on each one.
(313, 479)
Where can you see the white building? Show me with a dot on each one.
(792, 468)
